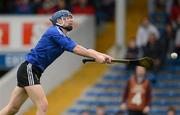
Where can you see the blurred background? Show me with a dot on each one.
(122, 28)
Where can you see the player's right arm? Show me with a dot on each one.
(99, 57)
(71, 46)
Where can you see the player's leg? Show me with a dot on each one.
(18, 97)
(38, 97)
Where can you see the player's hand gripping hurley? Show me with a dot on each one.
(144, 62)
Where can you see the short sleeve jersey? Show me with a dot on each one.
(51, 45)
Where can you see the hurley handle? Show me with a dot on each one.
(88, 60)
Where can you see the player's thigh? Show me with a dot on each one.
(36, 94)
(18, 97)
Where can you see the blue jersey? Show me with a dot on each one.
(51, 45)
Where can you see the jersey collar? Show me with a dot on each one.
(60, 31)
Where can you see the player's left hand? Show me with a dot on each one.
(146, 109)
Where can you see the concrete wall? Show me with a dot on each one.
(60, 70)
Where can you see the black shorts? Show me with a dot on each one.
(28, 75)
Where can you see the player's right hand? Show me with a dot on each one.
(108, 59)
(100, 59)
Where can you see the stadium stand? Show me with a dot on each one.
(109, 89)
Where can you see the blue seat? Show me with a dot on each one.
(118, 68)
(78, 111)
(170, 68)
(118, 94)
(166, 103)
(161, 112)
(172, 62)
(96, 103)
(167, 94)
(93, 111)
(163, 68)
(104, 94)
(168, 77)
(165, 85)
(158, 85)
(160, 76)
(101, 85)
(112, 112)
(116, 77)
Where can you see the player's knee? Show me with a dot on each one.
(44, 105)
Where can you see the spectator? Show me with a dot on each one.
(143, 33)
(132, 50)
(177, 36)
(83, 7)
(175, 11)
(47, 7)
(61, 4)
(1, 6)
(171, 111)
(159, 18)
(4, 7)
(108, 7)
(36, 5)
(153, 3)
(154, 50)
(132, 53)
(23, 7)
(137, 94)
(104, 11)
(74, 2)
(177, 42)
(167, 40)
(176, 24)
(100, 110)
